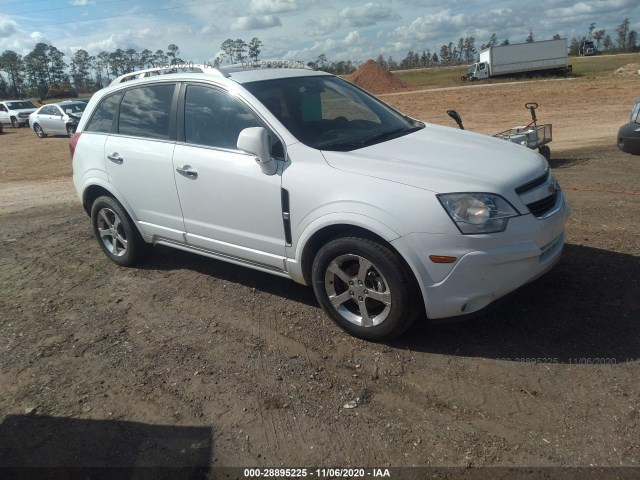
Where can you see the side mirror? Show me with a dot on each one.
(255, 141)
(456, 117)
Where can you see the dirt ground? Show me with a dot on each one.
(188, 361)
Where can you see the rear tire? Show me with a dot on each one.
(116, 233)
(365, 288)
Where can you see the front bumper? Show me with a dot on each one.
(487, 267)
(629, 138)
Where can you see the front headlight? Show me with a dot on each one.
(478, 212)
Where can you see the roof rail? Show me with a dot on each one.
(263, 64)
(167, 70)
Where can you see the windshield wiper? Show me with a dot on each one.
(382, 137)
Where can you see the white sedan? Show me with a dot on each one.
(57, 118)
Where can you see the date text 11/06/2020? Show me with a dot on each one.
(316, 472)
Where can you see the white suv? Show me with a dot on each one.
(304, 175)
(16, 112)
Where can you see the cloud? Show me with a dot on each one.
(210, 29)
(590, 9)
(347, 48)
(262, 7)
(256, 22)
(361, 16)
(367, 15)
(12, 37)
(442, 27)
(8, 27)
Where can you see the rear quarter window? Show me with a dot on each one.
(102, 118)
(146, 111)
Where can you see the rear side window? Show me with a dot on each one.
(102, 118)
(146, 111)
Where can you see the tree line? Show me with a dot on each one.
(31, 75)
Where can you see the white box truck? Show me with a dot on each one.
(546, 56)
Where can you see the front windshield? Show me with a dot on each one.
(328, 113)
(634, 113)
(20, 105)
(472, 69)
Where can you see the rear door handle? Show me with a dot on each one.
(187, 171)
(116, 158)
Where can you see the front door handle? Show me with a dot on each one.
(187, 171)
(116, 158)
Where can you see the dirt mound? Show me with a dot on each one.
(376, 79)
(629, 69)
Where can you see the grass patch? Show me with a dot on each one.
(601, 64)
(441, 77)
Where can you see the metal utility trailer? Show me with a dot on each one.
(532, 136)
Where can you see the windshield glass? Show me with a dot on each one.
(472, 69)
(20, 105)
(73, 107)
(329, 113)
(634, 113)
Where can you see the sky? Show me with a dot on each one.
(297, 29)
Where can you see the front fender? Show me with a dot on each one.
(296, 251)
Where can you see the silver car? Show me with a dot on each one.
(57, 118)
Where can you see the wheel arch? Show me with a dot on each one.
(327, 233)
(95, 190)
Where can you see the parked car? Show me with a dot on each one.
(16, 112)
(57, 118)
(629, 134)
(301, 174)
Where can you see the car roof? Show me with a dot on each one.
(240, 73)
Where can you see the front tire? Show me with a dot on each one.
(39, 132)
(365, 288)
(71, 129)
(15, 123)
(116, 233)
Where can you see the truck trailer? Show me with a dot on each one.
(549, 56)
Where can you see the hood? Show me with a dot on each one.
(23, 110)
(443, 159)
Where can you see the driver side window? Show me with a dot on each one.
(214, 118)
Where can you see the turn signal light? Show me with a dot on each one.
(442, 259)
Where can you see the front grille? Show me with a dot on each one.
(533, 184)
(543, 206)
